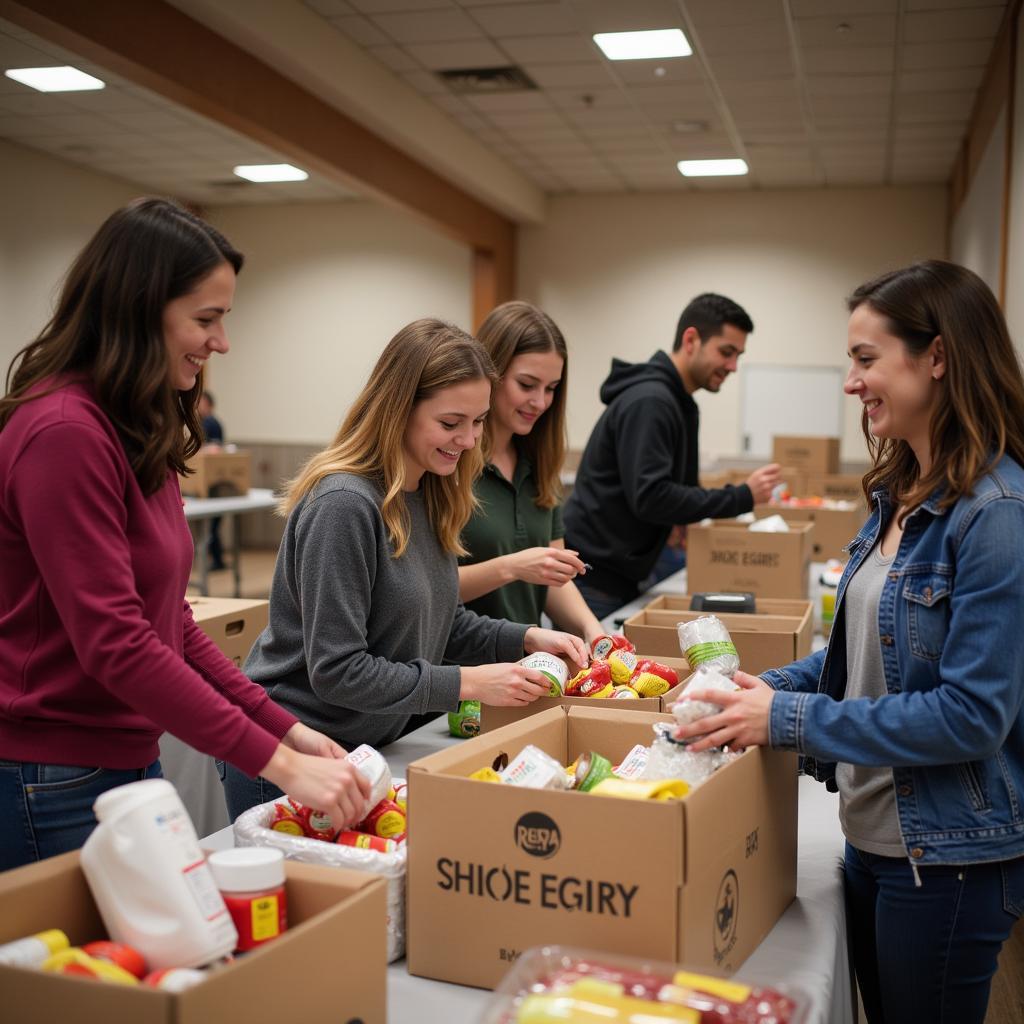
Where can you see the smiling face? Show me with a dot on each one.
(193, 326)
(526, 391)
(899, 391)
(711, 362)
(442, 427)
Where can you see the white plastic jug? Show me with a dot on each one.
(150, 880)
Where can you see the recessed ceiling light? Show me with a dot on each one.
(61, 79)
(711, 168)
(662, 42)
(270, 172)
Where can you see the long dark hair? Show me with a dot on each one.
(510, 330)
(108, 326)
(981, 415)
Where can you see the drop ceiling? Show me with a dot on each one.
(808, 92)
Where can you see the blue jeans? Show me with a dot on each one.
(928, 953)
(242, 792)
(47, 808)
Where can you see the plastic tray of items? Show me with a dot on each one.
(251, 829)
(551, 984)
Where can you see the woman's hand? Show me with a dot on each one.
(329, 784)
(308, 741)
(553, 641)
(549, 567)
(503, 685)
(742, 722)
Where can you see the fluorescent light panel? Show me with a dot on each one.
(270, 172)
(60, 79)
(656, 43)
(711, 168)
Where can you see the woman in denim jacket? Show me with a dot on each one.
(913, 711)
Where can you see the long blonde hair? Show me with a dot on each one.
(510, 330)
(423, 358)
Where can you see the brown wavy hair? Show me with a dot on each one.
(981, 415)
(423, 358)
(108, 327)
(513, 329)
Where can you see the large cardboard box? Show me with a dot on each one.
(841, 486)
(726, 555)
(217, 474)
(717, 478)
(333, 955)
(834, 528)
(496, 718)
(496, 869)
(810, 454)
(780, 632)
(231, 623)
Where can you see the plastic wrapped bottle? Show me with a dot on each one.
(706, 641)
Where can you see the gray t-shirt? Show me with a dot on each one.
(867, 798)
(357, 638)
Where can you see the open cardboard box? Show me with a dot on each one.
(841, 486)
(810, 454)
(331, 960)
(217, 474)
(834, 528)
(727, 555)
(496, 718)
(495, 869)
(783, 633)
(231, 623)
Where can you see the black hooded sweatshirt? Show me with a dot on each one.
(638, 477)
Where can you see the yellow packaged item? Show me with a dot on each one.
(486, 775)
(642, 789)
(623, 665)
(647, 684)
(601, 1002)
(77, 962)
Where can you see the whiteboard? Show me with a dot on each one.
(788, 400)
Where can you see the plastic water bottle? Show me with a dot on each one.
(150, 880)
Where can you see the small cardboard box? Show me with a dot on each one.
(231, 623)
(698, 881)
(492, 718)
(728, 556)
(335, 918)
(217, 474)
(810, 454)
(841, 486)
(834, 528)
(780, 632)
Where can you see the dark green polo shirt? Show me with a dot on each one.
(509, 520)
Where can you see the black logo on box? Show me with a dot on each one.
(538, 835)
(727, 914)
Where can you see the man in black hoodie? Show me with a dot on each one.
(638, 475)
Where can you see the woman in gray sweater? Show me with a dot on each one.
(366, 627)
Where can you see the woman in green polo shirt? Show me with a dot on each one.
(518, 565)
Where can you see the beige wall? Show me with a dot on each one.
(616, 271)
(325, 286)
(49, 209)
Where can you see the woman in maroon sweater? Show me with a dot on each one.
(99, 653)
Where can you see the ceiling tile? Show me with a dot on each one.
(941, 80)
(466, 54)
(932, 130)
(533, 118)
(620, 16)
(425, 82)
(561, 49)
(384, 6)
(526, 19)
(746, 37)
(842, 9)
(933, 106)
(770, 64)
(849, 85)
(428, 26)
(588, 99)
(857, 32)
(947, 26)
(945, 5)
(851, 106)
(927, 56)
(784, 89)
(715, 13)
(147, 121)
(509, 101)
(659, 72)
(567, 75)
(394, 57)
(865, 60)
(34, 104)
(361, 30)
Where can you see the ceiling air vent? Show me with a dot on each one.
(487, 80)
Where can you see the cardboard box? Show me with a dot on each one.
(810, 454)
(231, 623)
(834, 528)
(791, 476)
(728, 556)
(841, 486)
(335, 918)
(496, 869)
(217, 474)
(492, 718)
(779, 634)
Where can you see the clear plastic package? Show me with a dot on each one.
(706, 641)
(251, 828)
(555, 984)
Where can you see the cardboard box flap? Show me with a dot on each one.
(609, 731)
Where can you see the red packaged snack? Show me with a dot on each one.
(363, 841)
(591, 680)
(126, 957)
(316, 824)
(602, 646)
(656, 668)
(387, 819)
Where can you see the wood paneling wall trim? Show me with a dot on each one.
(157, 46)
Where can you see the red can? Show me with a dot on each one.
(251, 880)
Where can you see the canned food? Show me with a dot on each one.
(591, 768)
(362, 841)
(387, 819)
(549, 666)
(466, 721)
(531, 768)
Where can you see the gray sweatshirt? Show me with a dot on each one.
(357, 638)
